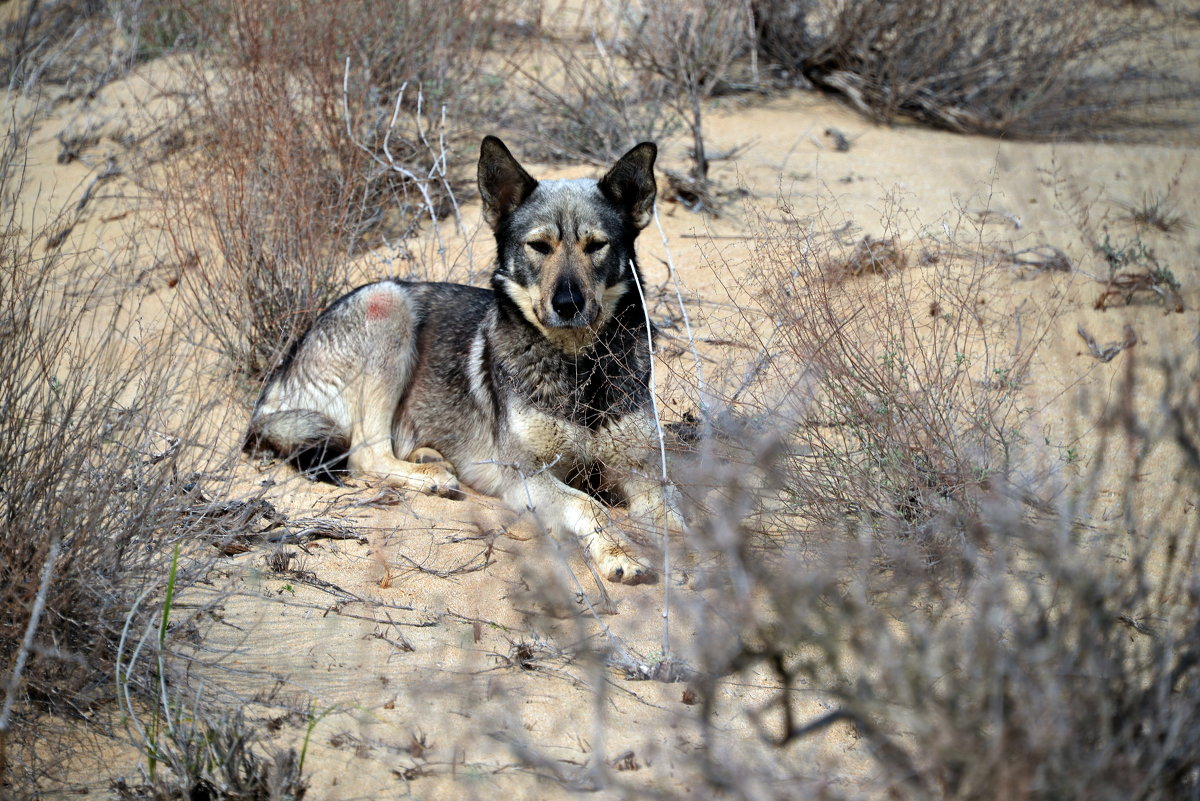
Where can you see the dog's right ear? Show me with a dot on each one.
(503, 183)
(630, 183)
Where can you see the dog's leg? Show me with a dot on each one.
(371, 452)
(628, 454)
(651, 503)
(565, 509)
(371, 397)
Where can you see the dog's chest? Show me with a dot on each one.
(579, 394)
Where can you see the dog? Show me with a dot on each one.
(516, 391)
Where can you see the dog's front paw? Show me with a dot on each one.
(440, 480)
(447, 486)
(619, 567)
(673, 520)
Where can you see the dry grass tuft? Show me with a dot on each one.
(871, 257)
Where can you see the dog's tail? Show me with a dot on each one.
(307, 439)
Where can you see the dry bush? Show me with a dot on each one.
(591, 106)
(693, 46)
(905, 384)
(217, 756)
(1029, 70)
(1060, 658)
(101, 445)
(1055, 670)
(299, 154)
(93, 428)
(65, 44)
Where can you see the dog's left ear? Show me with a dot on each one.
(630, 183)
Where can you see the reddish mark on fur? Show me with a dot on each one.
(380, 306)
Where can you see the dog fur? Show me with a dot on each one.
(543, 378)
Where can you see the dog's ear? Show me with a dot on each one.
(503, 183)
(630, 183)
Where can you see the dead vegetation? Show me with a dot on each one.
(92, 489)
(923, 565)
(890, 536)
(587, 104)
(1033, 71)
(325, 128)
(906, 385)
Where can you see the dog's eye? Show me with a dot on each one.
(541, 246)
(595, 246)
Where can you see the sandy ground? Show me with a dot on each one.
(435, 666)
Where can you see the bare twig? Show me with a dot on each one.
(35, 617)
(1110, 351)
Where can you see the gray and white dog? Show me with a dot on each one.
(521, 389)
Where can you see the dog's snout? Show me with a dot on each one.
(568, 301)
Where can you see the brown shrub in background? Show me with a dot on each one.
(297, 154)
(589, 105)
(1029, 70)
(692, 45)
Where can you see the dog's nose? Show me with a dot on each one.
(568, 301)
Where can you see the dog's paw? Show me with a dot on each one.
(425, 456)
(444, 483)
(620, 568)
(450, 490)
(437, 478)
(673, 520)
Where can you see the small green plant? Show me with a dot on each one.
(313, 719)
(1162, 275)
(1120, 255)
(168, 599)
(1134, 267)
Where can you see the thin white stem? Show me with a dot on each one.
(35, 617)
(662, 452)
(390, 162)
(387, 137)
(123, 685)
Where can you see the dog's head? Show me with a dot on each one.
(564, 247)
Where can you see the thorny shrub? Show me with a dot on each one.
(93, 427)
(1029, 70)
(299, 155)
